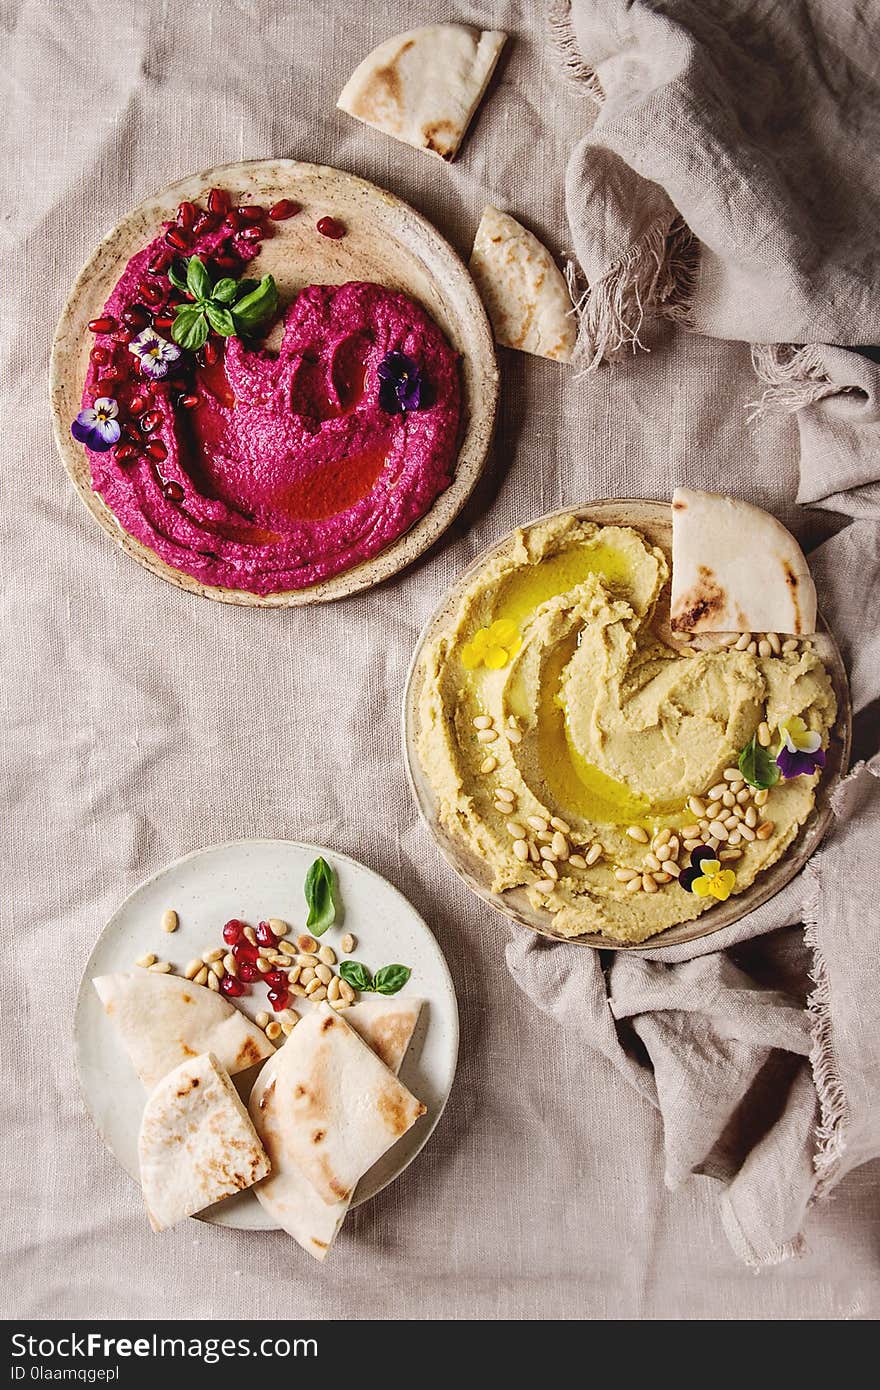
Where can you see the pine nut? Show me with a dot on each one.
(697, 805)
(487, 736)
(594, 854)
(170, 920)
(730, 822)
(286, 948)
(790, 645)
(333, 988)
(577, 861)
(538, 823)
(215, 953)
(635, 832)
(213, 982)
(160, 967)
(323, 973)
(732, 774)
(483, 721)
(327, 955)
(634, 885)
(534, 856)
(560, 845)
(752, 649)
(489, 764)
(514, 736)
(713, 842)
(279, 926)
(736, 814)
(346, 991)
(670, 867)
(662, 838)
(775, 643)
(649, 884)
(746, 832)
(319, 995)
(716, 793)
(313, 985)
(718, 831)
(521, 850)
(751, 817)
(230, 964)
(150, 959)
(727, 639)
(261, 1019)
(761, 796)
(267, 952)
(550, 869)
(764, 734)
(273, 1030)
(764, 648)
(728, 855)
(548, 854)
(202, 977)
(307, 943)
(217, 968)
(712, 810)
(262, 965)
(307, 974)
(672, 847)
(765, 830)
(298, 990)
(287, 1029)
(192, 969)
(743, 796)
(691, 845)
(742, 641)
(690, 832)
(626, 875)
(734, 837)
(505, 794)
(306, 958)
(663, 878)
(545, 886)
(294, 973)
(288, 1016)
(544, 837)
(561, 825)
(348, 943)
(652, 862)
(516, 830)
(250, 935)
(503, 808)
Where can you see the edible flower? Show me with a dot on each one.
(155, 353)
(98, 427)
(401, 386)
(801, 752)
(492, 646)
(705, 876)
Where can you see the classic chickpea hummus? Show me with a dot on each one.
(579, 755)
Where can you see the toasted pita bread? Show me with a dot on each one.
(343, 1107)
(735, 568)
(164, 1020)
(424, 86)
(197, 1144)
(523, 289)
(386, 1025)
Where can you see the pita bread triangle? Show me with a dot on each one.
(164, 1020)
(523, 289)
(735, 568)
(197, 1144)
(386, 1025)
(423, 87)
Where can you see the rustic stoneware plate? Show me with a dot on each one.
(253, 879)
(654, 520)
(388, 242)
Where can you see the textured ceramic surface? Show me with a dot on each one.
(254, 879)
(653, 520)
(388, 242)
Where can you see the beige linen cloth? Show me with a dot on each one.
(760, 1047)
(139, 723)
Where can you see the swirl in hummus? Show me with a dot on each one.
(598, 731)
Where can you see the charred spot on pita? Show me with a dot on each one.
(703, 601)
(327, 1023)
(318, 1136)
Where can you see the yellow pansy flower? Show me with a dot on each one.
(493, 646)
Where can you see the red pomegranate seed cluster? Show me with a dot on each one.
(246, 954)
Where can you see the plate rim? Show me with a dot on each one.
(82, 995)
(473, 448)
(817, 824)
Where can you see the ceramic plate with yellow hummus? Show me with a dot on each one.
(597, 776)
(274, 383)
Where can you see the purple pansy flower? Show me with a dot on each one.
(97, 427)
(401, 386)
(801, 752)
(155, 353)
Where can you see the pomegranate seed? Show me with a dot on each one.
(152, 294)
(131, 432)
(186, 215)
(151, 421)
(245, 249)
(210, 353)
(234, 220)
(231, 987)
(157, 451)
(205, 222)
(218, 200)
(123, 335)
(126, 453)
(253, 234)
(233, 930)
(265, 934)
(106, 385)
(245, 951)
(276, 979)
(137, 405)
(278, 999)
(106, 324)
(159, 262)
(328, 226)
(178, 238)
(248, 972)
(227, 262)
(101, 356)
(111, 373)
(283, 209)
(136, 316)
(172, 490)
(163, 323)
(188, 402)
(250, 212)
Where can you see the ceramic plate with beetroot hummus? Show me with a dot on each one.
(274, 383)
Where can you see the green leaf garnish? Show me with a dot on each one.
(757, 765)
(190, 327)
(177, 274)
(225, 290)
(230, 307)
(320, 891)
(356, 974)
(257, 306)
(391, 978)
(198, 281)
(220, 319)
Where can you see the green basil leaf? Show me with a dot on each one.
(177, 274)
(355, 974)
(320, 891)
(225, 291)
(198, 281)
(757, 765)
(190, 328)
(257, 306)
(391, 978)
(220, 319)
(244, 287)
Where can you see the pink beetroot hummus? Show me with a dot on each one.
(273, 471)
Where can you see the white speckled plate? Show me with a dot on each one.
(388, 242)
(255, 879)
(653, 520)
